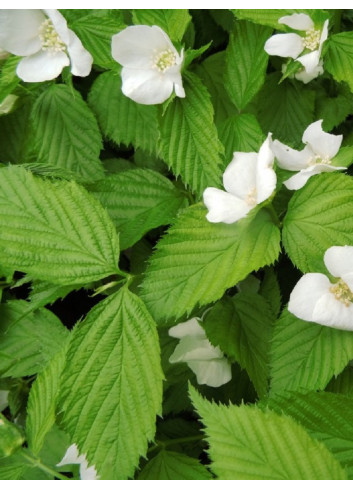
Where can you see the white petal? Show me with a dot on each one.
(194, 348)
(42, 66)
(59, 23)
(239, 177)
(321, 142)
(179, 89)
(146, 86)
(71, 456)
(285, 45)
(300, 179)
(306, 77)
(310, 288)
(291, 159)
(81, 59)
(213, 373)
(329, 311)
(300, 22)
(134, 46)
(224, 207)
(324, 34)
(339, 260)
(191, 328)
(266, 178)
(87, 473)
(310, 61)
(19, 31)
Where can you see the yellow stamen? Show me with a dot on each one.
(342, 292)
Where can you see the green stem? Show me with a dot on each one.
(337, 21)
(37, 463)
(160, 444)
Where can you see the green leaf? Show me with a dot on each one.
(138, 201)
(11, 437)
(305, 355)
(333, 110)
(343, 383)
(320, 215)
(42, 403)
(263, 16)
(198, 260)
(247, 443)
(112, 386)
(327, 417)
(344, 157)
(339, 57)
(174, 466)
(122, 120)
(173, 21)
(8, 78)
(29, 339)
(271, 291)
(246, 62)
(15, 133)
(55, 231)
(66, 133)
(189, 141)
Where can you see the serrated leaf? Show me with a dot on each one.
(247, 443)
(268, 17)
(112, 387)
(241, 327)
(66, 133)
(305, 355)
(197, 260)
(122, 120)
(173, 21)
(339, 57)
(327, 417)
(138, 201)
(332, 110)
(271, 291)
(189, 141)
(28, 339)
(55, 231)
(246, 62)
(174, 466)
(343, 383)
(320, 215)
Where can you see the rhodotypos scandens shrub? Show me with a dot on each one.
(176, 236)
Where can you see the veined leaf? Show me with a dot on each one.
(189, 141)
(8, 78)
(54, 231)
(173, 21)
(320, 215)
(304, 355)
(122, 120)
(246, 62)
(138, 201)
(343, 383)
(338, 60)
(112, 385)
(271, 291)
(198, 260)
(66, 133)
(174, 466)
(247, 443)
(263, 16)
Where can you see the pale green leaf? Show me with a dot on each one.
(247, 443)
(198, 260)
(173, 21)
(55, 231)
(305, 355)
(246, 62)
(112, 386)
(268, 17)
(122, 120)
(339, 57)
(174, 466)
(189, 140)
(138, 201)
(320, 215)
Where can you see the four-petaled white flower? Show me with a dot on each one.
(315, 158)
(151, 64)
(248, 179)
(291, 45)
(206, 361)
(72, 457)
(45, 41)
(315, 298)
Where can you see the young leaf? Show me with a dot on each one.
(55, 231)
(122, 120)
(247, 443)
(138, 201)
(173, 21)
(112, 385)
(320, 215)
(246, 62)
(304, 356)
(66, 133)
(198, 260)
(338, 60)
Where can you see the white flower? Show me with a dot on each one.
(291, 45)
(316, 299)
(248, 179)
(45, 41)
(206, 361)
(151, 64)
(315, 158)
(72, 457)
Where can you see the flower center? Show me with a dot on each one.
(312, 39)
(342, 292)
(319, 160)
(50, 38)
(251, 197)
(164, 60)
